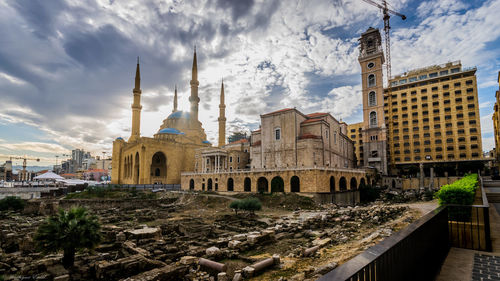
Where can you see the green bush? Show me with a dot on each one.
(250, 204)
(459, 192)
(12, 203)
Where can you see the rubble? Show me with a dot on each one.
(189, 246)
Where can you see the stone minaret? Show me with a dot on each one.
(175, 100)
(194, 99)
(222, 118)
(136, 106)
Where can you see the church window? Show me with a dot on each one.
(238, 159)
(230, 159)
(372, 99)
(373, 119)
(371, 80)
(335, 137)
(277, 133)
(371, 65)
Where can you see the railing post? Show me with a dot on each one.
(486, 215)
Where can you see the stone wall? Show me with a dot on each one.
(414, 183)
(310, 180)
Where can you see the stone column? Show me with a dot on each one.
(421, 165)
(431, 184)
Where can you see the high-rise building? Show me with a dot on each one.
(427, 115)
(432, 115)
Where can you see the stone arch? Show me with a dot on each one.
(362, 183)
(262, 185)
(354, 184)
(137, 168)
(247, 185)
(295, 184)
(277, 184)
(342, 184)
(230, 184)
(159, 168)
(209, 185)
(191, 184)
(332, 184)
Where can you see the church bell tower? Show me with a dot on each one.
(371, 59)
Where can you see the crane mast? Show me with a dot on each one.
(387, 27)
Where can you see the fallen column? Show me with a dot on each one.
(310, 251)
(220, 267)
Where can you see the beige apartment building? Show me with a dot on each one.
(432, 115)
(496, 124)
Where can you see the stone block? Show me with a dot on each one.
(188, 260)
(233, 244)
(212, 251)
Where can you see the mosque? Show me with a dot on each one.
(162, 158)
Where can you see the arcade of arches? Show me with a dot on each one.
(318, 181)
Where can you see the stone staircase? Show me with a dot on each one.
(492, 189)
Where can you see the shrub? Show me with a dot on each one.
(250, 204)
(68, 231)
(459, 192)
(12, 203)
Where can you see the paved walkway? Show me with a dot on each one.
(467, 265)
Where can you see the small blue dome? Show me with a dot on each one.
(179, 115)
(207, 142)
(119, 138)
(172, 131)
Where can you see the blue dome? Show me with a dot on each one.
(179, 115)
(172, 131)
(119, 138)
(207, 142)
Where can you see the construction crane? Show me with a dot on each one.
(386, 11)
(25, 160)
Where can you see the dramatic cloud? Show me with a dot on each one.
(67, 67)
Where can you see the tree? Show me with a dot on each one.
(69, 231)
(236, 136)
(250, 205)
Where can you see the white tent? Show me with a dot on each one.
(48, 176)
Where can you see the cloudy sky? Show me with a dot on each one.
(67, 67)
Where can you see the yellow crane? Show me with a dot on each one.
(25, 159)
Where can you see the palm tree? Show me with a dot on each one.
(69, 231)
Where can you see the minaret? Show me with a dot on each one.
(136, 106)
(175, 100)
(194, 99)
(222, 118)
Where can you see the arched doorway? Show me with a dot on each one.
(247, 185)
(354, 184)
(393, 183)
(262, 185)
(191, 184)
(295, 184)
(209, 185)
(230, 184)
(332, 184)
(137, 168)
(342, 184)
(203, 186)
(159, 168)
(277, 184)
(362, 183)
(216, 186)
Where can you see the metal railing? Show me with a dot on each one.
(418, 251)
(169, 187)
(469, 226)
(415, 253)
